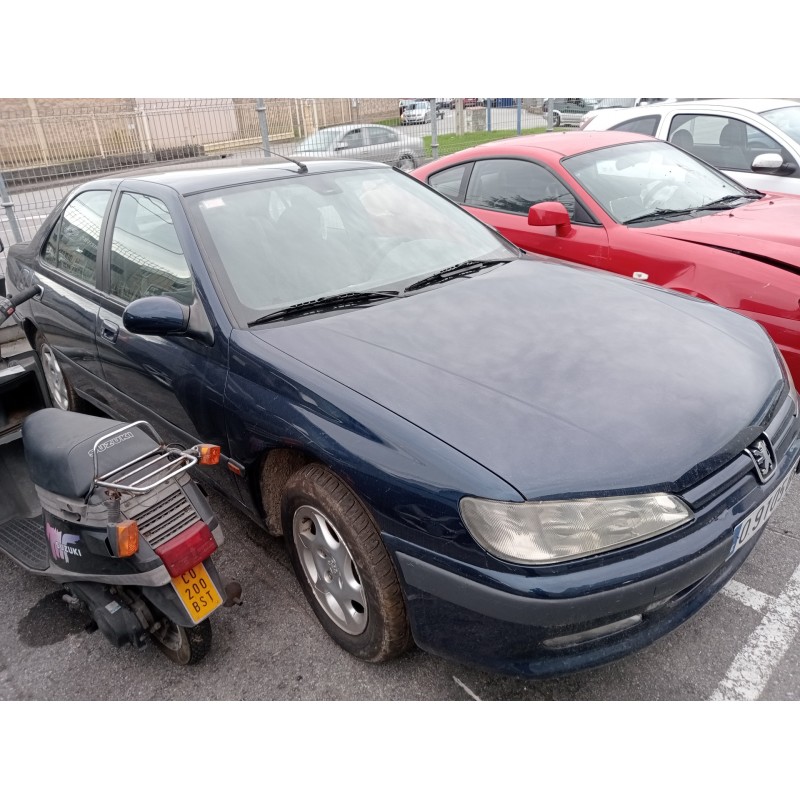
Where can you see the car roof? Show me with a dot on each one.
(755, 105)
(564, 143)
(192, 178)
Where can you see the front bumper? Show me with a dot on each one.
(542, 623)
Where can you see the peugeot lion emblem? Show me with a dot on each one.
(763, 457)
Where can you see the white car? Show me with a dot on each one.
(754, 141)
(418, 111)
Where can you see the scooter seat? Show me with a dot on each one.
(59, 444)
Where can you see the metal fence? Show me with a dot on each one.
(48, 146)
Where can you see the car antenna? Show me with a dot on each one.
(303, 168)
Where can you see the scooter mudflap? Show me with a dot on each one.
(24, 540)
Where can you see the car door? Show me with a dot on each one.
(731, 145)
(68, 270)
(500, 191)
(384, 144)
(175, 382)
(354, 144)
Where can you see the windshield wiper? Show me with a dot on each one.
(464, 268)
(328, 303)
(720, 203)
(725, 202)
(659, 212)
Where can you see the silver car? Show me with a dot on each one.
(372, 142)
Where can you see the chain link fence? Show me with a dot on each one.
(49, 146)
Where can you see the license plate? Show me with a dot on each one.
(750, 526)
(198, 593)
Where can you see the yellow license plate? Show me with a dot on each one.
(197, 592)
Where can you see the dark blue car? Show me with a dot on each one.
(525, 465)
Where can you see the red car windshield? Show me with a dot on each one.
(632, 181)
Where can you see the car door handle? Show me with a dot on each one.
(109, 331)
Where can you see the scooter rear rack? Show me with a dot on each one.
(161, 464)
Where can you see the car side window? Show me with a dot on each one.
(146, 256)
(354, 138)
(646, 125)
(380, 136)
(50, 252)
(79, 236)
(724, 142)
(448, 181)
(513, 185)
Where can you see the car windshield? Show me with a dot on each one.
(417, 106)
(634, 180)
(321, 140)
(787, 119)
(287, 241)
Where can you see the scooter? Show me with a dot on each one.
(108, 511)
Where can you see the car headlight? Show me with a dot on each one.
(548, 532)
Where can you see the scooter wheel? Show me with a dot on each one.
(184, 646)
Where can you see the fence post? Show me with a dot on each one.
(261, 109)
(550, 103)
(519, 116)
(488, 102)
(434, 131)
(8, 207)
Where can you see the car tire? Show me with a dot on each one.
(406, 163)
(343, 567)
(62, 394)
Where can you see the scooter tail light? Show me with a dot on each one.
(187, 549)
(127, 538)
(209, 454)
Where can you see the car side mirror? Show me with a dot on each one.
(550, 213)
(156, 316)
(767, 161)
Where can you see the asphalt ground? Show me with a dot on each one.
(742, 645)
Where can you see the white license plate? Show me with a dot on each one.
(750, 526)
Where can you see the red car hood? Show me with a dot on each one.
(767, 228)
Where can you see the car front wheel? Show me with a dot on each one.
(344, 569)
(406, 163)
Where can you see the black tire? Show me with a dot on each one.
(362, 606)
(62, 394)
(184, 646)
(406, 163)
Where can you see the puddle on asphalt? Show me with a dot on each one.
(50, 621)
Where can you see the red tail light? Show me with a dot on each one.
(187, 549)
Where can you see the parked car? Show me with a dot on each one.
(642, 208)
(374, 142)
(754, 141)
(502, 102)
(568, 110)
(512, 461)
(418, 112)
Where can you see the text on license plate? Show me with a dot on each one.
(198, 593)
(748, 527)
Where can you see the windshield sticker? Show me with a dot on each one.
(214, 202)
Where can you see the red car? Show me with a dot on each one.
(642, 208)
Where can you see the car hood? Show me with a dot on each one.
(765, 229)
(560, 379)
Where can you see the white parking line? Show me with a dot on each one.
(752, 598)
(466, 688)
(753, 666)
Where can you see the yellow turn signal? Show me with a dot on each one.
(209, 454)
(127, 538)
